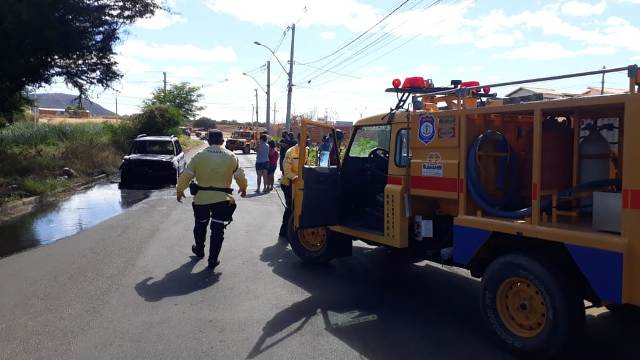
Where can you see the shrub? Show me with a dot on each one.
(204, 123)
(158, 120)
(40, 186)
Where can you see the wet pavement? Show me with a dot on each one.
(85, 209)
(69, 216)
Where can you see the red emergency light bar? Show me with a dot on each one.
(414, 82)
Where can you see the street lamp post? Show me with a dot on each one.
(267, 92)
(289, 72)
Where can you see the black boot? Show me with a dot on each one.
(197, 252)
(213, 264)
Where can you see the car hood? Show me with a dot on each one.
(135, 157)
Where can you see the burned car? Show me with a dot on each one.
(152, 161)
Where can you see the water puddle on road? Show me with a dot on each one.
(83, 210)
(69, 216)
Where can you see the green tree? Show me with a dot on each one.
(158, 120)
(182, 96)
(68, 39)
(204, 123)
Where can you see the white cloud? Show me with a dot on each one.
(443, 21)
(426, 70)
(613, 32)
(328, 35)
(128, 64)
(184, 72)
(183, 52)
(598, 50)
(538, 51)
(579, 8)
(637, 57)
(551, 51)
(352, 14)
(160, 20)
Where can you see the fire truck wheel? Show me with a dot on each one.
(310, 245)
(247, 149)
(532, 310)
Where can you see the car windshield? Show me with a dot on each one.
(242, 135)
(368, 138)
(152, 147)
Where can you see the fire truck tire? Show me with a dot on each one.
(247, 149)
(532, 310)
(310, 251)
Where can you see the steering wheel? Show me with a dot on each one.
(379, 158)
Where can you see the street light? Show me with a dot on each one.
(289, 73)
(256, 81)
(274, 55)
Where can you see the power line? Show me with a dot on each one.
(333, 72)
(359, 36)
(350, 62)
(380, 38)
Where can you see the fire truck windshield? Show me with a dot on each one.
(242, 135)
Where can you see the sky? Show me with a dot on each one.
(209, 43)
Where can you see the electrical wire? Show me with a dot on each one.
(387, 44)
(353, 43)
(359, 36)
(386, 38)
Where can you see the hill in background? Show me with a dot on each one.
(61, 101)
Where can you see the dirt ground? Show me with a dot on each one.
(69, 120)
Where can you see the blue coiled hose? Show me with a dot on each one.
(492, 206)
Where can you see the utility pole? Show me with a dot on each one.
(288, 118)
(602, 86)
(274, 113)
(257, 119)
(268, 94)
(253, 108)
(164, 74)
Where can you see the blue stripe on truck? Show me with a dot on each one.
(603, 270)
(466, 243)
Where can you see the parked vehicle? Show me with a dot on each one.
(538, 198)
(244, 139)
(152, 161)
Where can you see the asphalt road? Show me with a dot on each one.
(129, 288)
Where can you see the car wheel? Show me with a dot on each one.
(310, 245)
(531, 309)
(246, 150)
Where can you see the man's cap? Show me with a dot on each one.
(215, 135)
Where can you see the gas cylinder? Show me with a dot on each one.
(594, 157)
(594, 161)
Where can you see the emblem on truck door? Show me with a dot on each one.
(427, 129)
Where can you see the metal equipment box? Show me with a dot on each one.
(607, 208)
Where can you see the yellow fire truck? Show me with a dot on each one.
(538, 198)
(245, 139)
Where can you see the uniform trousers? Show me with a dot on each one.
(219, 214)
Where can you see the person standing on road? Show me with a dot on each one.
(213, 168)
(273, 164)
(291, 160)
(336, 146)
(285, 143)
(262, 162)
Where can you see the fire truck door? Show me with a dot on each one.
(316, 194)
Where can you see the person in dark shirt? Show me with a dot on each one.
(285, 143)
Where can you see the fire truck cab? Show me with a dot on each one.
(538, 198)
